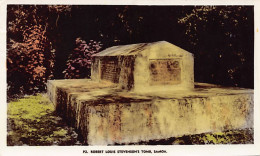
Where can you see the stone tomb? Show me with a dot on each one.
(145, 67)
(145, 92)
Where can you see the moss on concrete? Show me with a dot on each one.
(109, 115)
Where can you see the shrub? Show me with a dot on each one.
(29, 63)
(79, 62)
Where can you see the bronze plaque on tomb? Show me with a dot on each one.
(110, 70)
(165, 71)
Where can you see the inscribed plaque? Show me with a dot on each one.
(110, 70)
(165, 71)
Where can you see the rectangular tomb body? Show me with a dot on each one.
(145, 67)
(161, 119)
(106, 115)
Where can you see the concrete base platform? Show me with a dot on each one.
(106, 115)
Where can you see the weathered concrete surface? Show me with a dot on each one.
(145, 67)
(104, 114)
(143, 92)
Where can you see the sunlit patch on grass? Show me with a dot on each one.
(32, 121)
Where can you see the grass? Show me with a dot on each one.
(242, 136)
(32, 121)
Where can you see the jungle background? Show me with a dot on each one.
(47, 42)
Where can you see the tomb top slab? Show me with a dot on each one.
(85, 89)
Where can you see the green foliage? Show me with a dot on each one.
(29, 63)
(221, 37)
(79, 62)
(32, 121)
(244, 136)
(30, 52)
(40, 40)
(241, 136)
(20, 17)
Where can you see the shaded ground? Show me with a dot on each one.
(244, 136)
(32, 121)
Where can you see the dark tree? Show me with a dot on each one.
(41, 39)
